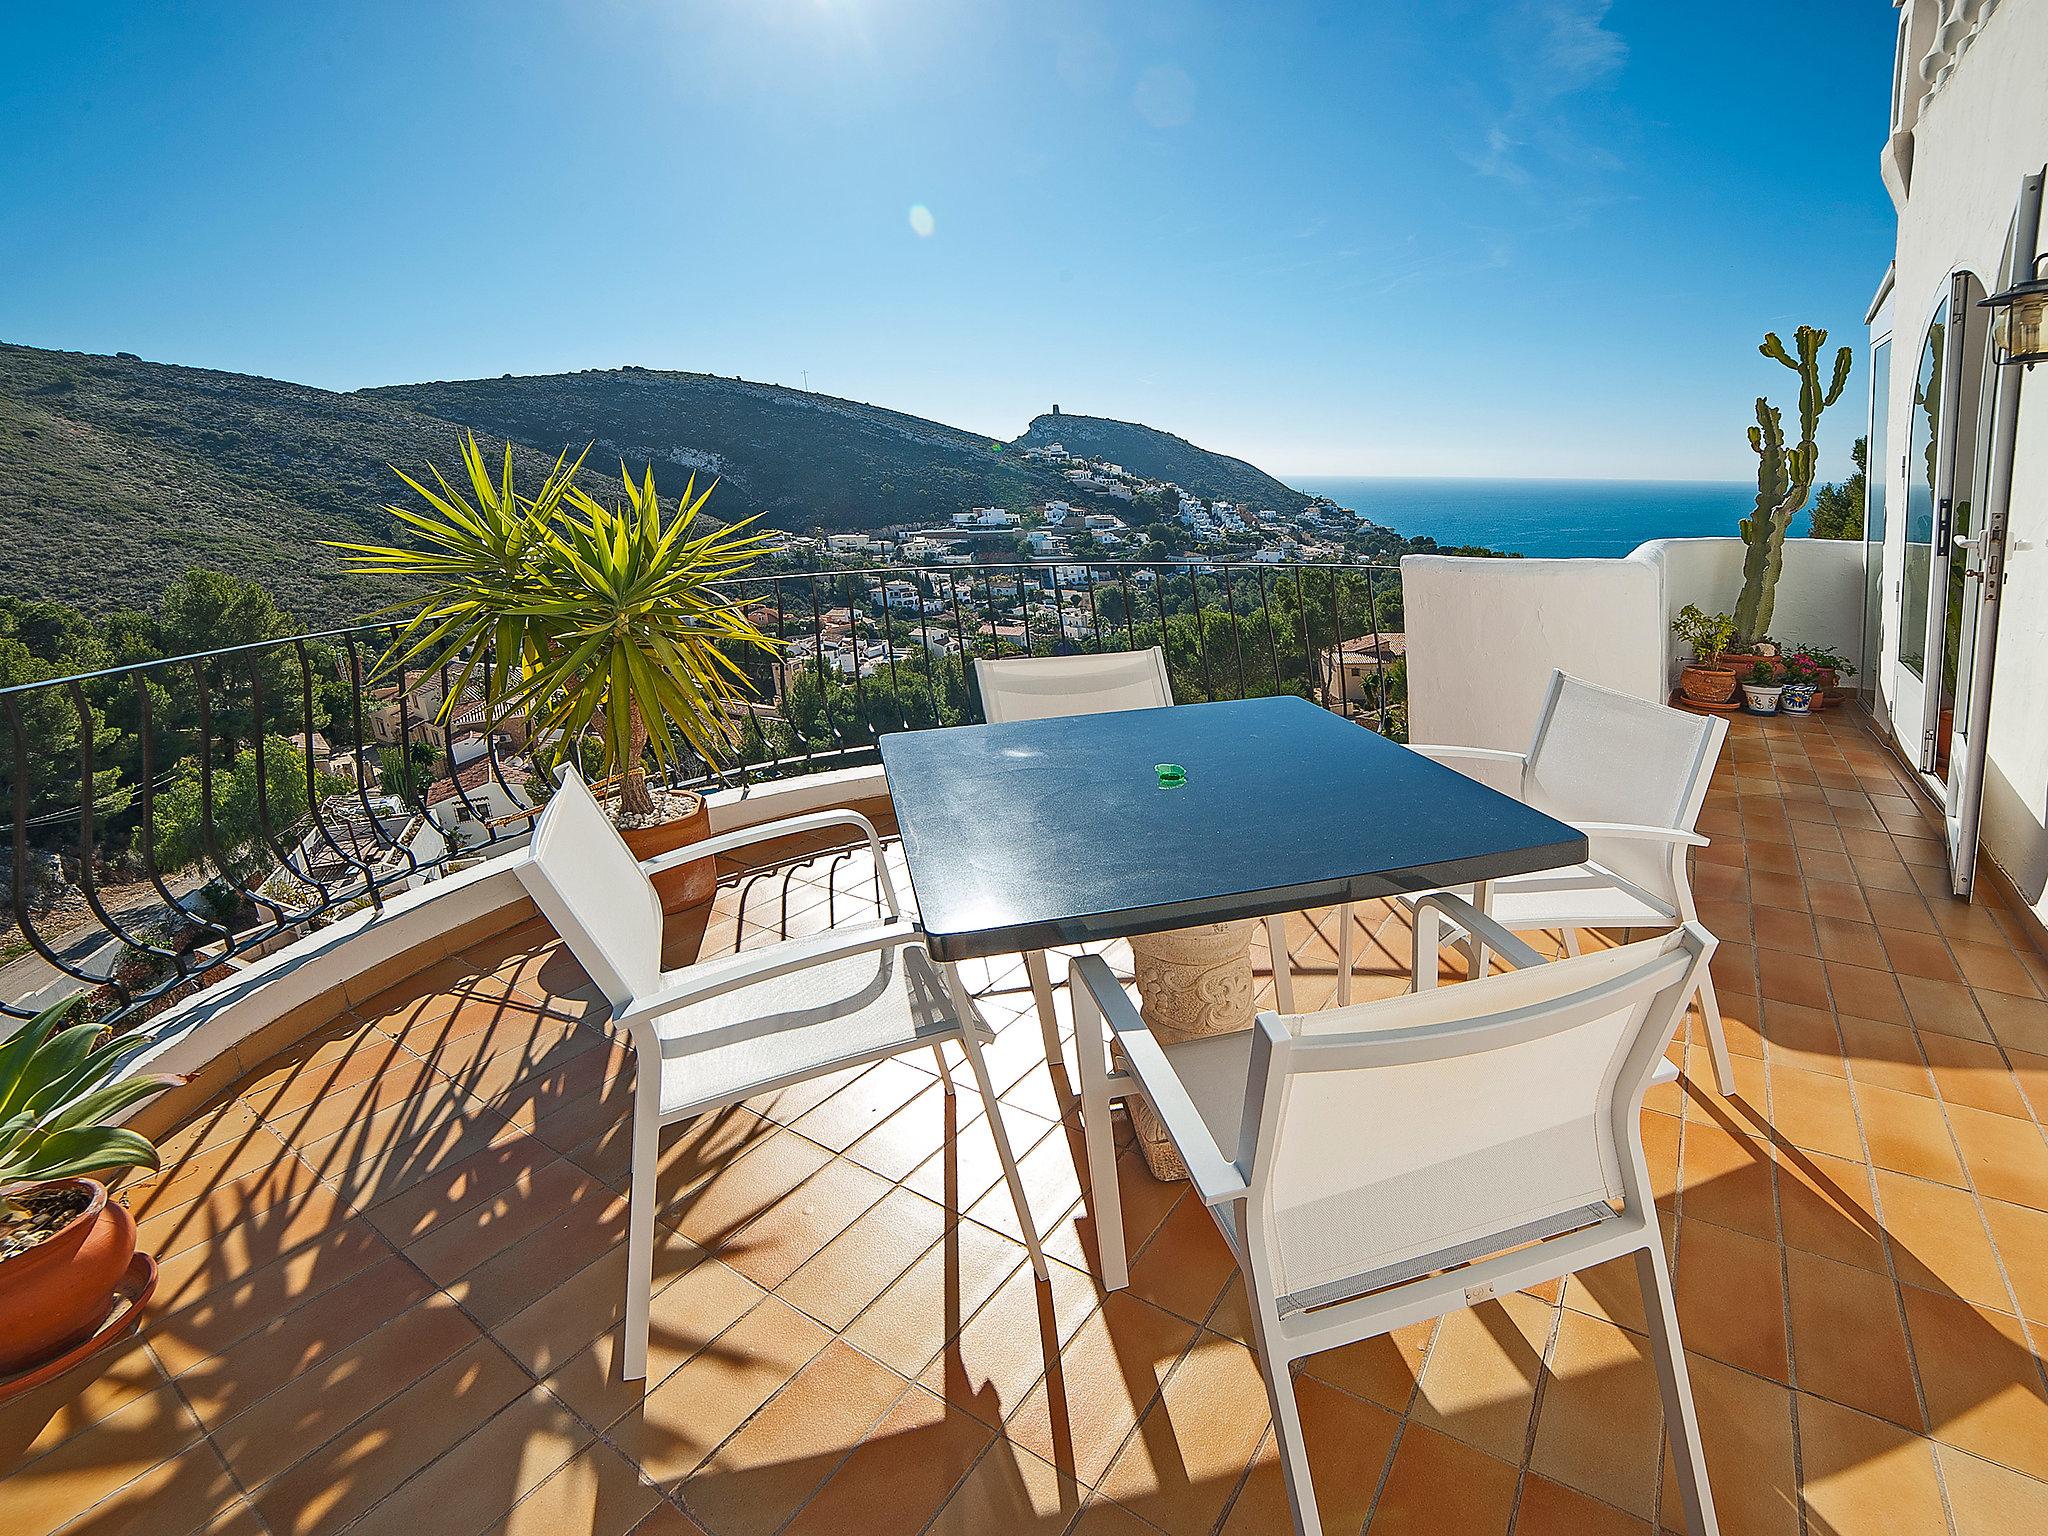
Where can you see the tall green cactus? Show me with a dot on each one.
(1784, 476)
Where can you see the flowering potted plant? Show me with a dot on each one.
(1764, 685)
(605, 625)
(66, 1249)
(1705, 680)
(1803, 683)
(1824, 669)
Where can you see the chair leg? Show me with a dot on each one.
(1717, 1037)
(640, 1217)
(1287, 1433)
(1344, 927)
(1428, 949)
(1571, 942)
(1681, 1421)
(945, 1072)
(1283, 971)
(1105, 1196)
(1041, 992)
(971, 1043)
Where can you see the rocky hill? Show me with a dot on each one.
(116, 474)
(1161, 456)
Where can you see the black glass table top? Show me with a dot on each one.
(1042, 832)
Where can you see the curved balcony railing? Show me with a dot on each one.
(170, 817)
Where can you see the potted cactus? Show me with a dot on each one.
(1705, 679)
(1763, 688)
(1784, 479)
(66, 1249)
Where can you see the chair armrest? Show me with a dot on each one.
(696, 983)
(1641, 834)
(1460, 913)
(1483, 754)
(788, 826)
(1216, 1178)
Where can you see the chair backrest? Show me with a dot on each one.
(1599, 755)
(1041, 687)
(585, 880)
(1444, 1121)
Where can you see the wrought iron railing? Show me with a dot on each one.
(171, 817)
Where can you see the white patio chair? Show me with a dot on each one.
(1048, 687)
(1632, 775)
(709, 1035)
(1382, 1164)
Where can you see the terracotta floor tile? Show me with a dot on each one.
(748, 1185)
(2021, 1234)
(1907, 1133)
(1731, 1298)
(1862, 1474)
(1480, 1381)
(1989, 1499)
(1746, 1434)
(1347, 1444)
(1866, 992)
(863, 1105)
(1598, 1427)
(2020, 1023)
(1010, 1490)
(1551, 1509)
(1440, 1485)
(1183, 1463)
(1006, 1348)
(915, 1317)
(50, 1489)
(475, 1485)
(1847, 1343)
(684, 1419)
(1973, 1073)
(2006, 1158)
(909, 1466)
(459, 1242)
(789, 1231)
(1383, 1370)
(1835, 899)
(1943, 1008)
(1186, 1265)
(921, 1127)
(1770, 889)
(1779, 928)
(1791, 978)
(1993, 968)
(1803, 1037)
(1984, 1388)
(763, 1474)
(44, 1418)
(1938, 1240)
(1815, 1112)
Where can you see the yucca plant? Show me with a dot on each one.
(58, 1089)
(639, 635)
(606, 622)
(473, 570)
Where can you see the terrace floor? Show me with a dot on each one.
(392, 1271)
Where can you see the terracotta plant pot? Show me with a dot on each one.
(1707, 685)
(1742, 663)
(54, 1295)
(686, 885)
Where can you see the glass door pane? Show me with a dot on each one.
(1922, 473)
(1877, 461)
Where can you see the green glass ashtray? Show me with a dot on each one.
(1171, 775)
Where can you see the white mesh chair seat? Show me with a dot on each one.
(801, 1025)
(1584, 896)
(1633, 775)
(712, 1034)
(1379, 1165)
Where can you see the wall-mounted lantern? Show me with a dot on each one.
(2019, 319)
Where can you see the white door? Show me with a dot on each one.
(1977, 555)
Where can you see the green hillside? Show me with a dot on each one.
(116, 474)
(1161, 456)
(802, 460)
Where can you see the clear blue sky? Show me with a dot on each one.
(1382, 236)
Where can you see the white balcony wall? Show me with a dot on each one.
(1485, 635)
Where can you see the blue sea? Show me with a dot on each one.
(1546, 517)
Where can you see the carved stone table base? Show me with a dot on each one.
(1191, 982)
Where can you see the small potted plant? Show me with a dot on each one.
(1705, 680)
(1825, 669)
(1801, 683)
(1764, 685)
(603, 625)
(65, 1247)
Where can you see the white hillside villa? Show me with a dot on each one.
(1957, 527)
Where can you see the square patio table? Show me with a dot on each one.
(1035, 833)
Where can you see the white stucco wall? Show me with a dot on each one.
(1485, 635)
(1974, 139)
